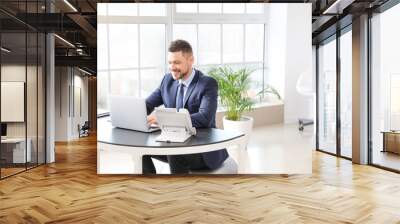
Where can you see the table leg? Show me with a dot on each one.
(243, 157)
(137, 164)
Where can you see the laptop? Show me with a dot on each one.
(130, 113)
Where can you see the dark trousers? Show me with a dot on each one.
(179, 164)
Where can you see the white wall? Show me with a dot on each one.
(289, 54)
(276, 45)
(298, 61)
(68, 82)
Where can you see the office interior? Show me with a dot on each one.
(39, 108)
(138, 45)
(49, 68)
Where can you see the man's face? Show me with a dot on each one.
(179, 64)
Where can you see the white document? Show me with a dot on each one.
(176, 126)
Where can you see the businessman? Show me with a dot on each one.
(186, 87)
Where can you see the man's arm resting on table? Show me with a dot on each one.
(208, 107)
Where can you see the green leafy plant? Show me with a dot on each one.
(268, 89)
(233, 87)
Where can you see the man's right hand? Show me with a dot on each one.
(151, 119)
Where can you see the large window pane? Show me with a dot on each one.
(31, 101)
(102, 92)
(13, 82)
(152, 9)
(394, 101)
(255, 8)
(233, 7)
(346, 94)
(327, 97)
(152, 45)
(186, 7)
(254, 42)
(41, 99)
(385, 85)
(150, 79)
(120, 9)
(102, 46)
(186, 32)
(125, 82)
(210, 7)
(123, 46)
(209, 44)
(256, 82)
(232, 43)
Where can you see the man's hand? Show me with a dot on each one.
(151, 119)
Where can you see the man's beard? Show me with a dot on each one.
(180, 74)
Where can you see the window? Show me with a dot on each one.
(133, 41)
(346, 94)
(385, 88)
(327, 96)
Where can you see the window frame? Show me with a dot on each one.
(173, 17)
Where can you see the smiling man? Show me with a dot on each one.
(186, 87)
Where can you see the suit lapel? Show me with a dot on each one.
(191, 87)
(174, 91)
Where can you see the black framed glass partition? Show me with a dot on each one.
(327, 95)
(22, 76)
(334, 96)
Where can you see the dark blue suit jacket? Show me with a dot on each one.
(200, 100)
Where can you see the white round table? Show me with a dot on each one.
(120, 151)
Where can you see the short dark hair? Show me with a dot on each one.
(180, 45)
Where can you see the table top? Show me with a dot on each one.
(14, 140)
(106, 133)
(391, 132)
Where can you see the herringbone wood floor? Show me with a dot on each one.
(70, 191)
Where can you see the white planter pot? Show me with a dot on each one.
(244, 125)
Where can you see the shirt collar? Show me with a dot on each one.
(189, 80)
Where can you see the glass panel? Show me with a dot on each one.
(233, 7)
(254, 42)
(186, 32)
(210, 7)
(152, 45)
(394, 102)
(346, 94)
(327, 97)
(102, 9)
(385, 86)
(186, 7)
(123, 45)
(255, 7)
(125, 82)
(13, 79)
(41, 99)
(150, 79)
(117, 9)
(204, 68)
(31, 101)
(256, 82)
(152, 9)
(102, 92)
(232, 43)
(209, 44)
(102, 49)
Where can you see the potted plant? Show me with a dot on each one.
(233, 87)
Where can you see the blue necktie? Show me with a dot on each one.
(179, 103)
